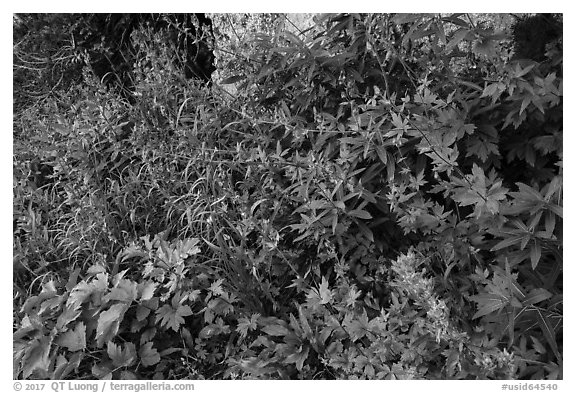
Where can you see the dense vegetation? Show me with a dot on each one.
(378, 196)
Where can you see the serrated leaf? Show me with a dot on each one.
(74, 340)
(125, 291)
(70, 314)
(126, 375)
(216, 287)
(381, 151)
(488, 303)
(171, 317)
(556, 209)
(146, 290)
(37, 356)
(208, 331)
(367, 232)
(108, 323)
(72, 281)
(245, 324)
(122, 357)
(147, 335)
(80, 294)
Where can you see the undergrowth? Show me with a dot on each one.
(365, 206)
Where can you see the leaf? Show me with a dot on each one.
(80, 294)
(535, 254)
(325, 292)
(84, 291)
(305, 325)
(122, 357)
(275, 330)
(549, 332)
(488, 303)
(37, 356)
(142, 312)
(216, 287)
(74, 340)
(363, 214)
(245, 324)
(457, 37)
(126, 291)
(298, 358)
(535, 296)
(556, 209)
(70, 314)
(172, 317)
(485, 46)
(149, 355)
(188, 247)
(232, 79)
(109, 322)
(146, 290)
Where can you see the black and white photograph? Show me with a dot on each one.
(287, 196)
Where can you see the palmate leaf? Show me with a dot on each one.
(84, 291)
(74, 340)
(171, 317)
(363, 214)
(122, 357)
(481, 148)
(149, 355)
(488, 303)
(245, 324)
(70, 314)
(146, 290)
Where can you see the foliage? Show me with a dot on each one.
(379, 198)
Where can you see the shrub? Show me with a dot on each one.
(380, 200)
